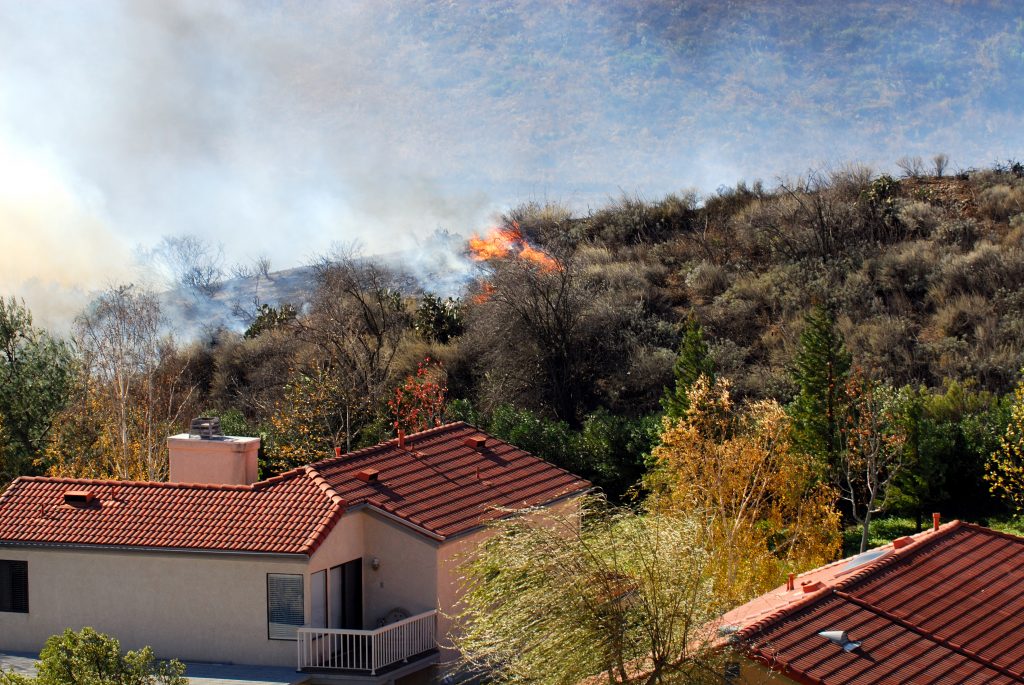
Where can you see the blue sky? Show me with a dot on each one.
(280, 128)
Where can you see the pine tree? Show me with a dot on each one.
(692, 362)
(820, 369)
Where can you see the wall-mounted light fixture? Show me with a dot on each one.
(375, 563)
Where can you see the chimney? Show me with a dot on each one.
(205, 455)
(936, 520)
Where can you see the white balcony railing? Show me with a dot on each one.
(367, 650)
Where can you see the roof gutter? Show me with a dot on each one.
(138, 548)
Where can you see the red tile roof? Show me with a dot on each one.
(946, 608)
(289, 514)
(436, 483)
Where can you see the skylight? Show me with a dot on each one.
(864, 558)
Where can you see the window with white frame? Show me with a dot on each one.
(285, 611)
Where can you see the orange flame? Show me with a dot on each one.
(486, 290)
(500, 243)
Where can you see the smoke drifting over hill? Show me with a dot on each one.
(282, 128)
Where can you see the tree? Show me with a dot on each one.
(692, 361)
(771, 511)
(131, 393)
(268, 318)
(1004, 470)
(872, 453)
(307, 424)
(36, 375)
(554, 598)
(356, 325)
(439, 320)
(192, 263)
(418, 404)
(87, 657)
(819, 369)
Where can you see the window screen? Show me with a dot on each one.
(284, 605)
(14, 586)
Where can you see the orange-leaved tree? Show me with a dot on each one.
(768, 507)
(418, 403)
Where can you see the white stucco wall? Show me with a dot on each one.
(202, 607)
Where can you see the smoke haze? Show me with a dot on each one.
(281, 128)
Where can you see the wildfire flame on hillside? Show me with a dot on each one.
(500, 243)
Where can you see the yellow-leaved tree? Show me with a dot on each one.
(1004, 470)
(769, 509)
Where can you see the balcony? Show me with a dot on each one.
(333, 650)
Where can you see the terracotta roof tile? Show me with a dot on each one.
(432, 483)
(283, 516)
(948, 607)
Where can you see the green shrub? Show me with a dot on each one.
(87, 657)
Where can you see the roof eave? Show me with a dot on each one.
(144, 548)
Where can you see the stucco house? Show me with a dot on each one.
(943, 606)
(341, 565)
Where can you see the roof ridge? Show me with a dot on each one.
(331, 461)
(920, 540)
(130, 483)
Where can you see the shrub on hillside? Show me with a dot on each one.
(1001, 201)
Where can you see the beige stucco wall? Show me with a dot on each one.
(450, 556)
(407, 577)
(201, 607)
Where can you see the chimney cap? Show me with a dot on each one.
(205, 428)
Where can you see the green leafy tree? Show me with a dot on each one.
(268, 318)
(439, 320)
(692, 362)
(622, 598)
(87, 657)
(820, 369)
(36, 376)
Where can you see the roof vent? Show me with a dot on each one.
(205, 428)
(840, 638)
(900, 543)
(475, 442)
(79, 497)
(368, 475)
(809, 586)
